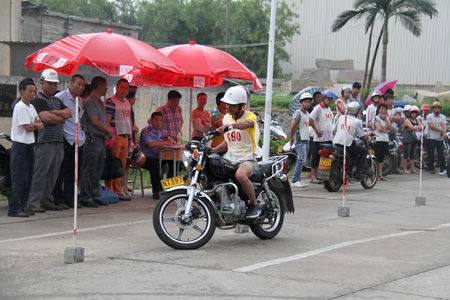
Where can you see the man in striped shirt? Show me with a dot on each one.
(118, 116)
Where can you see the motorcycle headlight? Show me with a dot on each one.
(187, 157)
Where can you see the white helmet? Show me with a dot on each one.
(376, 93)
(398, 110)
(235, 95)
(353, 108)
(346, 88)
(50, 75)
(305, 96)
(414, 108)
(407, 107)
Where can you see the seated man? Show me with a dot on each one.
(240, 142)
(347, 133)
(151, 141)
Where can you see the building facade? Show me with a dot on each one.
(423, 60)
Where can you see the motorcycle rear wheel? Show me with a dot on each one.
(167, 219)
(272, 215)
(388, 165)
(334, 183)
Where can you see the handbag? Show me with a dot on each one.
(112, 169)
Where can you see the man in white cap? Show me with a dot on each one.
(49, 150)
(241, 140)
(377, 98)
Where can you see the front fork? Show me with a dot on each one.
(192, 188)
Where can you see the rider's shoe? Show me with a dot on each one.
(253, 212)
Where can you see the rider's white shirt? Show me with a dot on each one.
(346, 134)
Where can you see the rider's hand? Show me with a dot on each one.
(222, 128)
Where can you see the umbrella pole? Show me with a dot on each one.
(190, 114)
(269, 84)
(75, 254)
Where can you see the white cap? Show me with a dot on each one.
(305, 96)
(353, 108)
(235, 95)
(376, 93)
(407, 107)
(347, 88)
(414, 108)
(50, 75)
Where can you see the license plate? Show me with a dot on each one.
(371, 152)
(172, 182)
(325, 162)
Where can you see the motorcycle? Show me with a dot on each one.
(186, 216)
(392, 161)
(331, 163)
(276, 130)
(5, 175)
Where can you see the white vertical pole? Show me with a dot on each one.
(344, 164)
(75, 183)
(190, 113)
(269, 83)
(421, 164)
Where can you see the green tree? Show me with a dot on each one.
(101, 9)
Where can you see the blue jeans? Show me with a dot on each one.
(301, 148)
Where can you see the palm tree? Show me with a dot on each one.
(408, 12)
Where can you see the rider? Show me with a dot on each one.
(347, 133)
(240, 142)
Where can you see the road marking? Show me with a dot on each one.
(325, 249)
(40, 236)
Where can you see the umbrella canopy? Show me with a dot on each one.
(382, 88)
(295, 103)
(204, 67)
(112, 53)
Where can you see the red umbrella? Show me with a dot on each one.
(112, 53)
(204, 66)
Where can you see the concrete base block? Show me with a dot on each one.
(73, 255)
(420, 201)
(343, 211)
(240, 228)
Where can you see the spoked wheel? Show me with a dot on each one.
(176, 231)
(333, 184)
(269, 224)
(371, 176)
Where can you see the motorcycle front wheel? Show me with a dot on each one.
(334, 183)
(371, 175)
(177, 232)
(269, 223)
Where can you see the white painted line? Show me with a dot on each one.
(40, 236)
(320, 251)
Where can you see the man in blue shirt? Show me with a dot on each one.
(64, 187)
(152, 140)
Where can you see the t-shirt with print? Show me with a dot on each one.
(346, 136)
(323, 118)
(120, 112)
(302, 130)
(380, 136)
(242, 144)
(51, 133)
(437, 121)
(23, 115)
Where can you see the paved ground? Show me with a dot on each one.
(387, 249)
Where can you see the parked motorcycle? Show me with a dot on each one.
(5, 175)
(392, 161)
(331, 163)
(276, 130)
(186, 216)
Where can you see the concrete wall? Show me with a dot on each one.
(38, 25)
(411, 60)
(10, 11)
